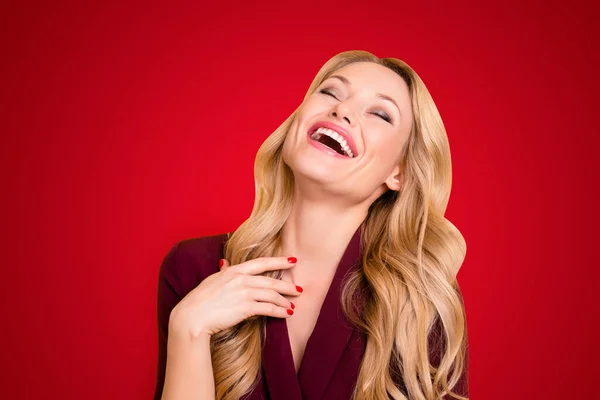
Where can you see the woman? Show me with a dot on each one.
(342, 282)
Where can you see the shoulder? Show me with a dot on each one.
(189, 261)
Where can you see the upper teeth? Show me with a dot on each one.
(334, 135)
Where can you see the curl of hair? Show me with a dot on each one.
(410, 260)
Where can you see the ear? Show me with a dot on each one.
(394, 181)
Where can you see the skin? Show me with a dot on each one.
(331, 199)
(332, 195)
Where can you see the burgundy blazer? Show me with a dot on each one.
(333, 353)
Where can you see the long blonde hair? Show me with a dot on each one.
(410, 260)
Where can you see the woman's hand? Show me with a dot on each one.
(232, 295)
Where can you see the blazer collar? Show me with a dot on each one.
(324, 347)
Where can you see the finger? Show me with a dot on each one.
(269, 296)
(223, 263)
(262, 264)
(265, 282)
(270, 309)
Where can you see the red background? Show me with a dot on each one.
(128, 127)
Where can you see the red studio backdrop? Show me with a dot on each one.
(129, 126)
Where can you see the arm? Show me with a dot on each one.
(184, 369)
(189, 373)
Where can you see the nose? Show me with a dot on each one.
(342, 111)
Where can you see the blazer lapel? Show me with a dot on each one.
(278, 362)
(332, 330)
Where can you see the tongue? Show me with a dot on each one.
(331, 143)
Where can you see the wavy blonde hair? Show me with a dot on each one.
(410, 260)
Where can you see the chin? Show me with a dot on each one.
(308, 167)
(314, 173)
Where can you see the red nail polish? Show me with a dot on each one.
(298, 288)
(221, 263)
(290, 312)
(292, 260)
(293, 305)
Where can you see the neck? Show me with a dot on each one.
(317, 233)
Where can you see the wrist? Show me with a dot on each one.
(179, 328)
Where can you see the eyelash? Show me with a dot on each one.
(383, 116)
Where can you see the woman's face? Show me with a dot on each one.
(356, 101)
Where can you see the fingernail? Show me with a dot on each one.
(293, 306)
(298, 288)
(290, 312)
(292, 260)
(221, 263)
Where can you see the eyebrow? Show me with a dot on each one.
(378, 95)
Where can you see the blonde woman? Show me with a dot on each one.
(342, 282)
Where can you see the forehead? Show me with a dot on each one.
(368, 76)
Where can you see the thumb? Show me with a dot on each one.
(223, 263)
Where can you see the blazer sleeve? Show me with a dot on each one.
(169, 294)
(183, 268)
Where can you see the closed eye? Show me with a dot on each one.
(382, 115)
(325, 91)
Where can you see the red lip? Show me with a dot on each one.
(334, 127)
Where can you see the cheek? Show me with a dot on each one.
(291, 140)
(286, 152)
(310, 107)
(385, 150)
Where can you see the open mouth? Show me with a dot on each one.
(332, 140)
